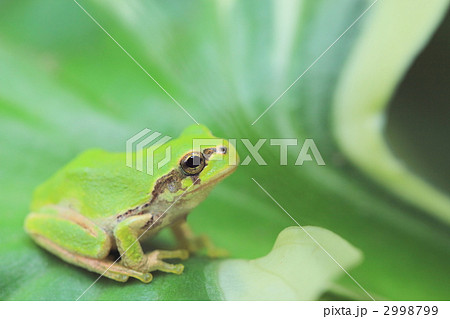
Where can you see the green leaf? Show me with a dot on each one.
(65, 86)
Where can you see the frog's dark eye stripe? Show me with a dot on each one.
(207, 152)
(192, 163)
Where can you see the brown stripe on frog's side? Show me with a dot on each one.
(150, 222)
(138, 210)
(171, 181)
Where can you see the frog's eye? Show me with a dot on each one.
(192, 163)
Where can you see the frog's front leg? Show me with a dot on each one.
(193, 243)
(127, 234)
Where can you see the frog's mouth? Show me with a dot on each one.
(212, 181)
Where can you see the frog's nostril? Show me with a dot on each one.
(222, 150)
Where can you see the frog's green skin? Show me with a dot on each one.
(96, 203)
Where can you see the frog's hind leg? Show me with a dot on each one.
(78, 241)
(106, 267)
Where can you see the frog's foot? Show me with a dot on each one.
(217, 252)
(202, 242)
(121, 273)
(194, 244)
(155, 260)
(211, 250)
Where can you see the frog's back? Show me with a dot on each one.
(97, 184)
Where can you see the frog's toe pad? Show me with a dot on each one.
(145, 277)
(155, 260)
(176, 269)
(217, 253)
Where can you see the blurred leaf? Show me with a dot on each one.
(65, 87)
(363, 111)
(295, 269)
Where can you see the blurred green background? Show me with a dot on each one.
(66, 87)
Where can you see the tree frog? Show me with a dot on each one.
(96, 204)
